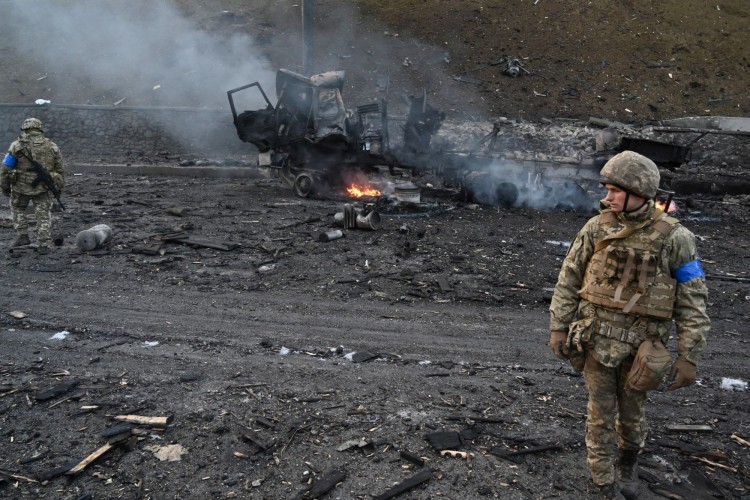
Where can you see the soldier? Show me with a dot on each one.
(20, 181)
(630, 273)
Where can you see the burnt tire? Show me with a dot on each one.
(304, 185)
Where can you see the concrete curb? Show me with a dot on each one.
(171, 170)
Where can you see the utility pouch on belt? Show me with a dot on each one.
(579, 333)
(649, 366)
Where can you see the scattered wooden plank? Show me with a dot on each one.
(325, 484)
(716, 464)
(736, 438)
(689, 428)
(17, 477)
(420, 477)
(142, 420)
(77, 469)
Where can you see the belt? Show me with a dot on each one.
(629, 336)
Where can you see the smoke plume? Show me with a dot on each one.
(142, 51)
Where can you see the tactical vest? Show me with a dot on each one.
(42, 150)
(624, 274)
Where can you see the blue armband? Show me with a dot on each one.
(10, 161)
(689, 271)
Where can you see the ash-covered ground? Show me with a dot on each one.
(274, 364)
(281, 359)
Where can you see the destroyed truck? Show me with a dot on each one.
(314, 141)
(316, 144)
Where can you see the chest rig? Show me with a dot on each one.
(624, 275)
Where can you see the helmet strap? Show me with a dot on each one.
(627, 199)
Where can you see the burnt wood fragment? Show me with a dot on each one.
(257, 440)
(444, 285)
(57, 471)
(200, 242)
(420, 477)
(56, 390)
(33, 458)
(486, 420)
(116, 430)
(501, 453)
(361, 356)
(444, 440)
(265, 422)
(411, 457)
(324, 484)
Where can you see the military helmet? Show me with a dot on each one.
(632, 172)
(30, 123)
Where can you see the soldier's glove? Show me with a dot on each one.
(558, 341)
(6, 192)
(682, 374)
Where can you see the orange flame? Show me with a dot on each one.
(358, 191)
(672, 206)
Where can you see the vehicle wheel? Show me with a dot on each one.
(304, 185)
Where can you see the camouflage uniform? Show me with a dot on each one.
(608, 337)
(19, 180)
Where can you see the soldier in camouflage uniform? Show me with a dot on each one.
(631, 272)
(20, 182)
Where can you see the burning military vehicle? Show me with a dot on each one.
(317, 144)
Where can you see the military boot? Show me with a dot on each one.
(628, 472)
(21, 240)
(610, 491)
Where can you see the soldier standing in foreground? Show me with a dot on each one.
(32, 171)
(630, 273)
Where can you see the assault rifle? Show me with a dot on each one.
(42, 175)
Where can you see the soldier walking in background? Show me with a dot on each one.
(631, 272)
(32, 171)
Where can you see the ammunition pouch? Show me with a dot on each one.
(649, 366)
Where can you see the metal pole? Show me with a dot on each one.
(307, 29)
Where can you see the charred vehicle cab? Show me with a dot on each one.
(309, 135)
(315, 141)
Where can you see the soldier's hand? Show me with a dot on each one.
(682, 374)
(558, 341)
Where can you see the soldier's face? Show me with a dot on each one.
(616, 198)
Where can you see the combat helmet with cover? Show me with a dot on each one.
(632, 172)
(32, 123)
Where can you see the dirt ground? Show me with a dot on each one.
(284, 363)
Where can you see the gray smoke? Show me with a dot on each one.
(506, 183)
(143, 51)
